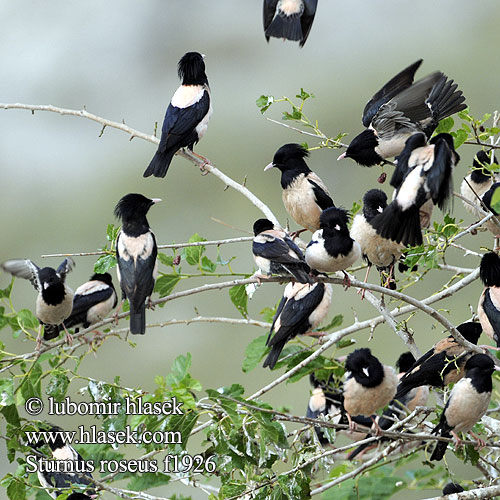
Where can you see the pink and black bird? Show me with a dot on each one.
(400, 109)
(54, 302)
(187, 116)
(276, 253)
(136, 252)
(289, 19)
(423, 173)
(488, 308)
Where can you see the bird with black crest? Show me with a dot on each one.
(54, 302)
(136, 252)
(305, 195)
(289, 19)
(187, 116)
(469, 399)
(488, 308)
(301, 309)
(332, 248)
(400, 109)
(423, 172)
(276, 253)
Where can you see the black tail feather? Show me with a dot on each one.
(300, 272)
(398, 225)
(160, 163)
(273, 356)
(138, 321)
(445, 100)
(288, 27)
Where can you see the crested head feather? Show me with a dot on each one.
(365, 367)
(405, 361)
(362, 149)
(489, 270)
(471, 331)
(481, 362)
(191, 69)
(104, 277)
(261, 225)
(487, 197)
(374, 201)
(333, 216)
(132, 206)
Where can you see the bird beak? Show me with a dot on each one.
(268, 167)
(380, 209)
(341, 157)
(337, 227)
(203, 55)
(45, 286)
(156, 200)
(366, 372)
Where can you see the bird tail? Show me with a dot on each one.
(160, 163)
(138, 320)
(300, 273)
(273, 356)
(288, 27)
(445, 99)
(440, 448)
(50, 331)
(398, 225)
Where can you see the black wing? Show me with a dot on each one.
(277, 249)
(180, 122)
(439, 177)
(82, 303)
(23, 268)
(307, 19)
(493, 315)
(323, 199)
(65, 267)
(392, 88)
(268, 13)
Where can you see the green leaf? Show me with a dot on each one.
(495, 200)
(16, 490)
(11, 415)
(58, 385)
(180, 368)
(111, 232)
(264, 102)
(460, 137)
(27, 320)
(336, 321)
(166, 260)
(104, 263)
(445, 125)
(208, 265)
(166, 283)
(5, 292)
(304, 95)
(239, 298)
(147, 480)
(254, 353)
(7, 392)
(193, 254)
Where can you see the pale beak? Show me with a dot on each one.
(380, 209)
(366, 372)
(156, 200)
(203, 55)
(268, 167)
(337, 227)
(341, 157)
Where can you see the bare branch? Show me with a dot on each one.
(475, 494)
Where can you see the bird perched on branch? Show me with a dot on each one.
(136, 253)
(55, 299)
(452, 488)
(487, 199)
(289, 19)
(441, 365)
(423, 172)
(376, 250)
(488, 308)
(416, 397)
(328, 400)
(302, 308)
(469, 399)
(93, 301)
(369, 385)
(275, 252)
(78, 475)
(400, 109)
(305, 195)
(187, 116)
(478, 181)
(331, 248)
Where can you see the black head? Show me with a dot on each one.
(261, 225)
(78, 496)
(415, 141)
(56, 442)
(405, 362)
(362, 149)
(374, 203)
(365, 368)
(470, 331)
(452, 488)
(487, 197)
(481, 174)
(53, 290)
(483, 159)
(133, 206)
(104, 277)
(335, 219)
(191, 69)
(290, 157)
(489, 270)
(481, 363)
(324, 384)
(444, 137)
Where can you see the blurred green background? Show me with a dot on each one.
(60, 181)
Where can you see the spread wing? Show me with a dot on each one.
(268, 12)
(307, 19)
(393, 87)
(179, 122)
(23, 268)
(65, 267)
(439, 178)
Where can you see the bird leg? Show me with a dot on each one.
(378, 429)
(363, 290)
(352, 425)
(486, 347)
(205, 161)
(117, 312)
(39, 338)
(480, 442)
(390, 277)
(316, 334)
(295, 234)
(347, 281)
(150, 304)
(67, 335)
(458, 441)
